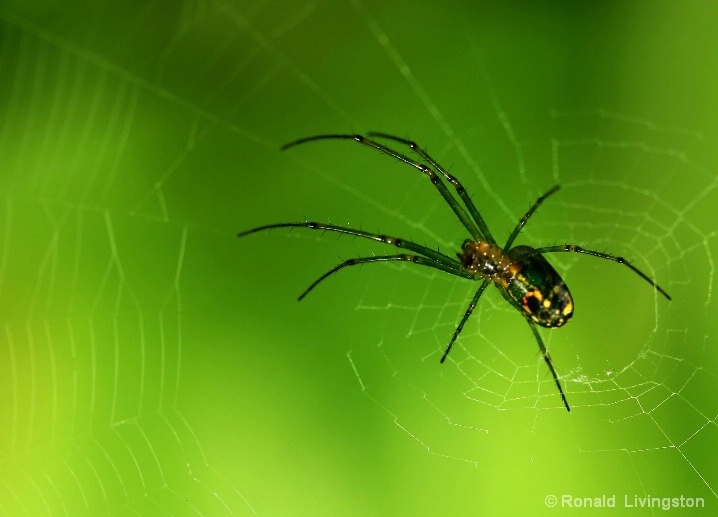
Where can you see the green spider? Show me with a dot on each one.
(521, 274)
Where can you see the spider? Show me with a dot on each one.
(520, 273)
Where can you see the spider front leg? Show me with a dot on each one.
(547, 358)
(427, 257)
(385, 239)
(463, 216)
(460, 190)
(415, 259)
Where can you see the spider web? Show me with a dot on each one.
(154, 364)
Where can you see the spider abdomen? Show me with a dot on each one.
(534, 287)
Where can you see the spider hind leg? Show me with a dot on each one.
(547, 358)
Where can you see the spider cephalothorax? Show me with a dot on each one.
(522, 275)
(483, 259)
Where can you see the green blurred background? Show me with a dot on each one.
(151, 363)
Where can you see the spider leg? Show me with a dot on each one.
(386, 239)
(460, 190)
(547, 358)
(469, 310)
(572, 248)
(435, 180)
(415, 259)
(528, 214)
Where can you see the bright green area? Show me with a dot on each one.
(151, 363)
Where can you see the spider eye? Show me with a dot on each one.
(466, 243)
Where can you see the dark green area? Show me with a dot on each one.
(151, 363)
